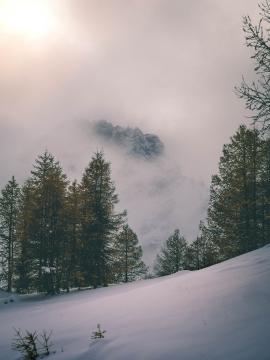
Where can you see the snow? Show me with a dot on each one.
(6, 297)
(47, 269)
(218, 313)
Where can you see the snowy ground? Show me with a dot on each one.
(6, 298)
(222, 312)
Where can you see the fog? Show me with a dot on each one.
(166, 67)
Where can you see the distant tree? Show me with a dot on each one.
(193, 255)
(128, 261)
(202, 252)
(9, 208)
(99, 221)
(256, 94)
(172, 256)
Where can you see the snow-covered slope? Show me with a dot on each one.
(222, 312)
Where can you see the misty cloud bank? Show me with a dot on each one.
(133, 140)
(155, 192)
(157, 195)
(170, 66)
(159, 199)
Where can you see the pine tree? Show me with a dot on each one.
(193, 255)
(72, 250)
(9, 208)
(128, 262)
(172, 257)
(202, 252)
(263, 190)
(25, 232)
(100, 222)
(48, 226)
(233, 215)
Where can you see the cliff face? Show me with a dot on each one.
(133, 140)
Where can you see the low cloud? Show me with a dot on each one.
(155, 192)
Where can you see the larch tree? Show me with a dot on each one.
(25, 232)
(233, 211)
(256, 93)
(201, 252)
(73, 275)
(48, 225)
(99, 221)
(9, 209)
(172, 257)
(263, 190)
(128, 262)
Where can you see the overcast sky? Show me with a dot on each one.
(166, 66)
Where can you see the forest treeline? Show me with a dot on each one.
(58, 235)
(238, 216)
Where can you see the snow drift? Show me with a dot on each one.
(222, 312)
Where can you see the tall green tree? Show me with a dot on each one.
(9, 209)
(256, 97)
(263, 190)
(100, 221)
(72, 251)
(172, 257)
(233, 212)
(48, 224)
(128, 262)
(25, 232)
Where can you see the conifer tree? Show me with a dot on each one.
(25, 232)
(128, 262)
(48, 225)
(202, 252)
(256, 93)
(172, 257)
(72, 251)
(263, 190)
(193, 255)
(9, 208)
(100, 222)
(233, 216)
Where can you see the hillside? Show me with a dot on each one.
(222, 312)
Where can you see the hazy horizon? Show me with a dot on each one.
(168, 68)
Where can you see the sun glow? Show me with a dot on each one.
(28, 18)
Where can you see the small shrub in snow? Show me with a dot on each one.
(31, 345)
(98, 334)
(26, 344)
(45, 342)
